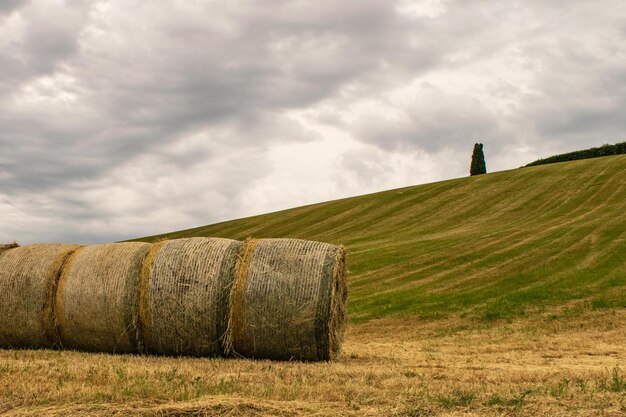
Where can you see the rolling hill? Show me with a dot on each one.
(548, 239)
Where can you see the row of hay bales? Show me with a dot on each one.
(262, 298)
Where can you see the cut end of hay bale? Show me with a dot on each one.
(288, 300)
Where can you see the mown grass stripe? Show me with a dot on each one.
(500, 243)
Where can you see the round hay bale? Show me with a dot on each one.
(288, 300)
(28, 281)
(98, 296)
(184, 295)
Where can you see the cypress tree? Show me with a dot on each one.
(478, 165)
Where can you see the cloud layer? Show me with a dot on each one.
(127, 118)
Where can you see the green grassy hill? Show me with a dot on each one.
(548, 239)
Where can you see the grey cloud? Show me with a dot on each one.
(580, 94)
(436, 120)
(128, 201)
(279, 59)
(575, 98)
(9, 6)
(50, 34)
(145, 87)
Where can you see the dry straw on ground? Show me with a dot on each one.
(391, 367)
(28, 279)
(98, 296)
(288, 300)
(184, 294)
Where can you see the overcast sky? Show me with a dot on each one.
(127, 118)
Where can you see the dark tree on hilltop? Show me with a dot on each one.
(478, 160)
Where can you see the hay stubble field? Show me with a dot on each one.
(502, 294)
(390, 367)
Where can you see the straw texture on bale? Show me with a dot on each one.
(185, 287)
(97, 300)
(28, 281)
(288, 300)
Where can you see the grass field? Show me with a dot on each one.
(496, 295)
(494, 246)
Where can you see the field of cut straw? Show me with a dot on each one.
(390, 367)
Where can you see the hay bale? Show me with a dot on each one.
(28, 281)
(98, 296)
(288, 300)
(184, 295)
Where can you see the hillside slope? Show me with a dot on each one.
(493, 246)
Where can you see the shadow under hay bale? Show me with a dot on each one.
(288, 300)
(184, 293)
(98, 296)
(28, 280)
